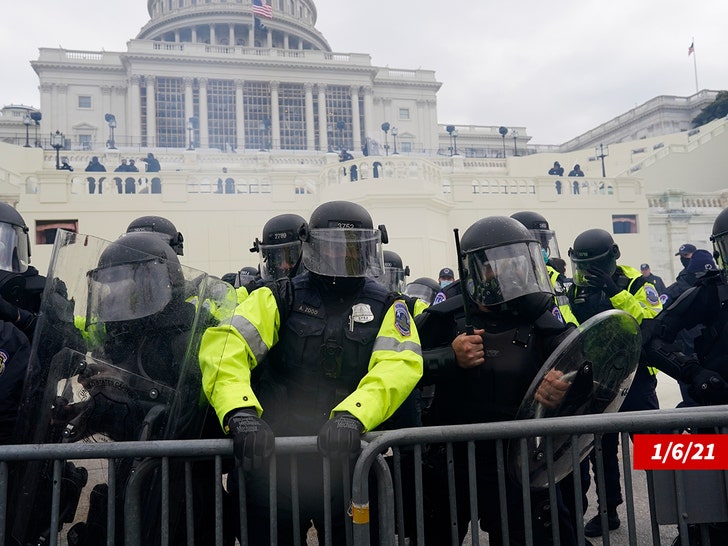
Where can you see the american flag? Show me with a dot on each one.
(691, 49)
(262, 9)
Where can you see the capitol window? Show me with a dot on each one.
(624, 223)
(404, 113)
(84, 101)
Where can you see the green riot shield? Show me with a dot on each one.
(114, 358)
(589, 373)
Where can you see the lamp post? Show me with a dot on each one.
(515, 142)
(111, 120)
(341, 125)
(27, 121)
(450, 130)
(503, 132)
(601, 152)
(264, 127)
(57, 142)
(191, 126)
(395, 132)
(385, 128)
(36, 117)
(455, 142)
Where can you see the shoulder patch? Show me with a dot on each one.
(653, 298)
(402, 318)
(556, 312)
(3, 360)
(439, 298)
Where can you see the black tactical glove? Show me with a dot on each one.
(253, 439)
(8, 311)
(708, 387)
(340, 436)
(598, 278)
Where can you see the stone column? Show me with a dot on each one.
(151, 112)
(189, 106)
(133, 112)
(368, 112)
(239, 114)
(323, 136)
(204, 137)
(194, 34)
(46, 98)
(106, 94)
(231, 34)
(355, 125)
(275, 118)
(62, 105)
(251, 34)
(285, 40)
(310, 126)
(213, 38)
(269, 36)
(176, 36)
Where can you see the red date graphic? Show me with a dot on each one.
(680, 452)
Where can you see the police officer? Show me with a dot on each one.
(163, 227)
(326, 349)
(280, 247)
(21, 287)
(510, 301)
(539, 227)
(601, 284)
(705, 305)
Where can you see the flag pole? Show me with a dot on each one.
(695, 66)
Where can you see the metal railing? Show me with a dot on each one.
(168, 468)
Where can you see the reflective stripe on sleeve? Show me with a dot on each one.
(251, 335)
(384, 343)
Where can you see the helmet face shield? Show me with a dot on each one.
(14, 254)
(547, 239)
(420, 291)
(336, 252)
(393, 279)
(606, 262)
(278, 261)
(128, 291)
(720, 245)
(504, 273)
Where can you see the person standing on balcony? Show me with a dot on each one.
(95, 166)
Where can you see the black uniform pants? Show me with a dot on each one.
(438, 525)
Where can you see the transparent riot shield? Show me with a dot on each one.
(114, 359)
(589, 373)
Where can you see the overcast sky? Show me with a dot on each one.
(558, 68)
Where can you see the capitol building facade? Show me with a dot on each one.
(250, 115)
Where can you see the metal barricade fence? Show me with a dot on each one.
(399, 507)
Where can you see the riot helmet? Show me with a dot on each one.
(138, 276)
(245, 276)
(719, 237)
(341, 241)
(280, 247)
(423, 288)
(163, 227)
(539, 228)
(394, 273)
(504, 263)
(14, 240)
(593, 248)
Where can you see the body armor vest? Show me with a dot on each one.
(323, 353)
